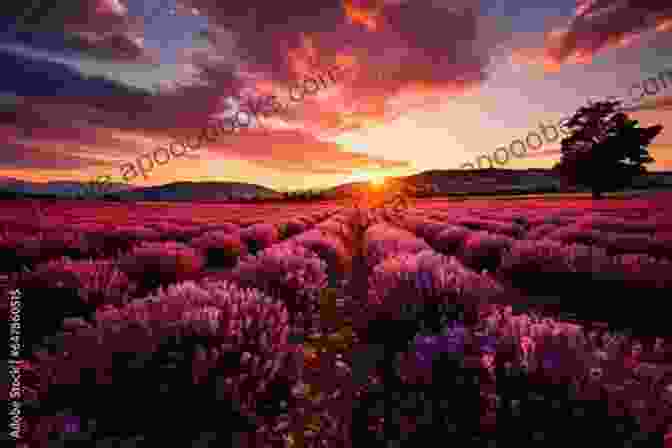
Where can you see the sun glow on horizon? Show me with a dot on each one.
(375, 179)
(378, 181)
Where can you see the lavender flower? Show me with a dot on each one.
(329, 248)
(483, 250)
(154, 264)
(541, 231)
(287, 271)
(220, 248)
(220, 331)
(97, 282)
(259, 236)
(383, 241)
(533, 256)
(425, 279)
(428, 348)
(451, 239)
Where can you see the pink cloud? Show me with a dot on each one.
(598, 25)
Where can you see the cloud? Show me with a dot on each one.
(598, 25)
(46, 93)
(98, 29)
(396, 39)
(28, 156)
(393, 64)
(296, 151)
(26, 76)
(102, 123)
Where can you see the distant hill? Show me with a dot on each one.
(345, 190)
(489, 181)
(456, 182)
(198, 191)
(11, 188)
(56, 189)
(486, 180)
(442, 182)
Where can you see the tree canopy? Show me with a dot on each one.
(606, 148)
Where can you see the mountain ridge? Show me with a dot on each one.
(440, 181)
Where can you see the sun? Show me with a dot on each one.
(365, 176)
(378, 181)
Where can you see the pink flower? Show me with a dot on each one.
(97, 282)
(574, 234)
(383, 241)
(161, 263)
(428, 275)
(259, 236)
(527, 345)
(328, 247)
(220, 248)
(541, 231)
(287, 271)
(483, 250)
(451, 239)
(229, 322)
(530, 256)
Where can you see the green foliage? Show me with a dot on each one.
(606, 148)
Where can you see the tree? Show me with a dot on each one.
(606, 148)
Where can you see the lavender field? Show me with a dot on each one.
(336, 224)
(307, 324)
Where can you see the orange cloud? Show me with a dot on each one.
(369, 17)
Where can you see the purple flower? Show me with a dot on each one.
(550, 360)
(487, 343)
(71, 424)
(161, 262)
(428, 348)
(222, 331)
(327, 246)
(483, 250)
(425, 280)
(398, 280)
(384, 241)
(450, 239)
(287, 271)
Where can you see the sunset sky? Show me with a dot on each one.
(425, 84)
